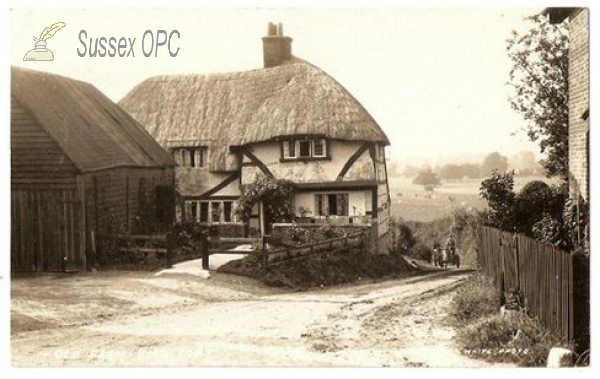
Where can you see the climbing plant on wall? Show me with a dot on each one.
(276, 196)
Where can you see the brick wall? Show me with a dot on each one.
(579, 99)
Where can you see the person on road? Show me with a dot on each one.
(451, 244)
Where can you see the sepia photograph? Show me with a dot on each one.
(389, 187)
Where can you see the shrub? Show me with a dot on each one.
(476, 297)
(421, 251)
(405, 238)
(499, 194)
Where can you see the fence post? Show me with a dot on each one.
(170, 246)
(264, 253)
(517, 266)
(204, 245)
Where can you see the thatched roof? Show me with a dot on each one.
(235, 109)
(92, 130)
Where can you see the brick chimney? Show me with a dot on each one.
(277, 48)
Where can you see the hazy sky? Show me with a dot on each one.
(434, 79)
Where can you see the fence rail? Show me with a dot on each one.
(273, 255)
(544, 276)
(159, 239)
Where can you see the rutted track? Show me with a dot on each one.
(398, 323)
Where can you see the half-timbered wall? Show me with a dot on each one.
(307, 171)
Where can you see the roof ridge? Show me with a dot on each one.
(294, 60)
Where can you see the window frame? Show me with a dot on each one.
(191, 157)
(203, 211)
(291, 149)
(323, 204)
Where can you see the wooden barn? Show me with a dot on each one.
(80, 167)
(289, 120)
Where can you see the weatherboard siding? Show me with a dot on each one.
(36, 160)
(114, 197)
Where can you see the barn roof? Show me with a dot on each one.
(92, 130)
(235, 109)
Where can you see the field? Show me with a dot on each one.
(412, 203)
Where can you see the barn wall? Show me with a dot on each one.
(45, 203)
(113, 197)
(36, 160)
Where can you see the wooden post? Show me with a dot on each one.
(204, 245)
(261, 216)
(82, 227)
(127, 204)
(264, 252)
(170, 248)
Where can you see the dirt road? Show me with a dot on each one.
(218, 322)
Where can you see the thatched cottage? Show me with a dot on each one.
(287, 120)
(80, 167)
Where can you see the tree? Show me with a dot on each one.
(524, 163)
(499, 194)
(451, 172)
(471, 170)
(494, 161)
(427, 179)
(539, 77)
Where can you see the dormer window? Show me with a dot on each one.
(305, 149)
(190, 156)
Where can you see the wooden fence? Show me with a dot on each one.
(142, 240)
(548, 279)
(272, 252)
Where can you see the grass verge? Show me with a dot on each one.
(484, 333)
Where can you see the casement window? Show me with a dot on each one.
(332, 204)
(319, 148)
(190, 156)
(210, 211)
(304, 149)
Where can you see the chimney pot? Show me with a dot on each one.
(277, 48)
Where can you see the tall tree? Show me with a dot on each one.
(539, 77)
(494, 162)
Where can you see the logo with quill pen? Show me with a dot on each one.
(40, 52)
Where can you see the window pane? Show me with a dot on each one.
(194, 211)
(305, 148)
(215, 210)
(319, 148)
(342, 204)
(175, 154)
(192, 153)
(204, 212)
(333, 206)
(291, 146)
(227, 209)
(320, 205)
